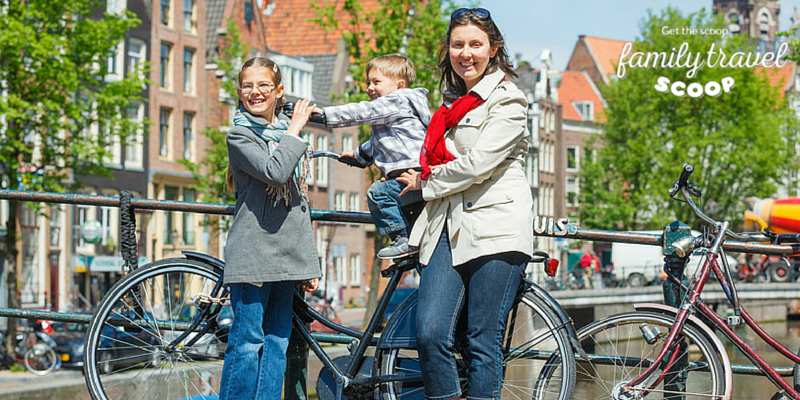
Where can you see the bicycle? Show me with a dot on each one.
(35, 351)
(659, 351)
(151, 300)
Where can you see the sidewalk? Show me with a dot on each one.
(351, 317)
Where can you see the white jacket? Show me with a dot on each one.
(483, 195)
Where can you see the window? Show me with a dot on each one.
(355, 270)
(322, 162)
(573, 152)
(188, 74)
(55, 224)
(163, 132)
(188, 135)
(355, 203)
(188, 218)
(170, 228)
(340, 269)
(113, 147)
(585, 109)
(115, 7)
(297, 75)
(136, 56)
(164, 77)
(134, 148)
(109, 220)
(347, 142)
(84, 213)
(114, 62)
(188, 16)
(340, 201)
(165, 9)
(572, 191)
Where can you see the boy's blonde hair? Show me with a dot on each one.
(395, 66)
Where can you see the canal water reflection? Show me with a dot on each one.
(758, 387)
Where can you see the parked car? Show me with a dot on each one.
(69, 338)
(398, 297)
(325, 309)
(211, 345)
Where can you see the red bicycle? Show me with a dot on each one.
(663, 352)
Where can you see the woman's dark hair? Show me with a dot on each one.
(450, 81)
(266, 63)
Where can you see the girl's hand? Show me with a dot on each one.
(302, 111)
(310, 285)
(411, 179)
(348, 154)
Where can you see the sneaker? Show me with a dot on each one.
(398, 248)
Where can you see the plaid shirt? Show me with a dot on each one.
(399, 121)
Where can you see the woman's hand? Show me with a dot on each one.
(411, 179)
(302, 111)
(310, 285)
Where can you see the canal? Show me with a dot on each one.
(758, 387)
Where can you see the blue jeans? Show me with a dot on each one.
(478, 295)
(384, 201)
(255, 358)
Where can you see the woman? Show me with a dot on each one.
(475, 233)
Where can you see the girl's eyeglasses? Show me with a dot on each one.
(264, 88)
(479, 12)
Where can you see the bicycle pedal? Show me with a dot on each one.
(734, 320)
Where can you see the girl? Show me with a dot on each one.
(476, 231)
(270, 245)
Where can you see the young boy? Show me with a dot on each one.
(399, 117)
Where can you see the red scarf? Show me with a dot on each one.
(434, 151)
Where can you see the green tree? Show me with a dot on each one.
(414, 28)
(738, 141)
(59, 115)
(211, 171)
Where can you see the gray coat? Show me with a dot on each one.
(267, 242)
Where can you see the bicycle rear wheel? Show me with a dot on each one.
(538, 342)
(618, 353)
(134, 361)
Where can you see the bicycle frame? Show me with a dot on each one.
(693, 301)
(348, 377)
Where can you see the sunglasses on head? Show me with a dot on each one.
(479, 12)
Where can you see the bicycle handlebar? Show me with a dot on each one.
(344, 160)
(288, 109)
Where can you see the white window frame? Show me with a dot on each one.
(354, 202)
(585, 109)
(297, 76)
(188, 139)
(340, 269)
(322, 163)
(355, 270)
(340, 201)
(576, 156)
(189, 75)
(136, 59)
(192, 24)
(165, 138)
(165, 79)
(347, 142)
(571, 186)
(134, 148)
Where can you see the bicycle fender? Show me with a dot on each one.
(401, 330)
(202, 257)
(566, 321)
(697, 323)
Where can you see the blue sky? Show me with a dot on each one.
(529, 26)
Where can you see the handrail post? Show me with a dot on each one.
(673, 294)
(296, 377)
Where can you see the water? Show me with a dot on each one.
(759, 387)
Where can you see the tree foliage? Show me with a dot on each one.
(59, 114)
(738, 142)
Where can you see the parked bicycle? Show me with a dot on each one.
(659, 351)
(181, 357)
(34, 351)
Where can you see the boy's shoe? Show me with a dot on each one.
(398, 248)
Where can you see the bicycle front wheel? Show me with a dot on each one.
(141, 359)
(535, 341)
(622, 346)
